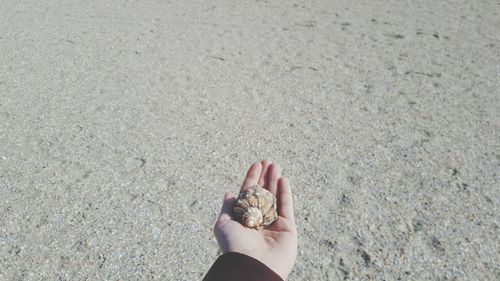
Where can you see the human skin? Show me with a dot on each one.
(276, 245)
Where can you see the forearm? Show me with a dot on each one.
(236, 266)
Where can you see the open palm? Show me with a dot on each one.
(276, 245)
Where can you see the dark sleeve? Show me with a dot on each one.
(240, 267)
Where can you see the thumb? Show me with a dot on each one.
(226, 211)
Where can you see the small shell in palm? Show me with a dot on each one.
(255, 207)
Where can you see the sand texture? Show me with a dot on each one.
(122, 124)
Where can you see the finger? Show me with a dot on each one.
(262, 179)
(285, 202)
(252, 177)
(273, 174)
(227, 209)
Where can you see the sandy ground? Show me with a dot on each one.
(122, 124)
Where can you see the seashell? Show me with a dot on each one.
(255, 207)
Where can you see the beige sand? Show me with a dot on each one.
(122, 124)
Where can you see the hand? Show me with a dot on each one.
(276, 245)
